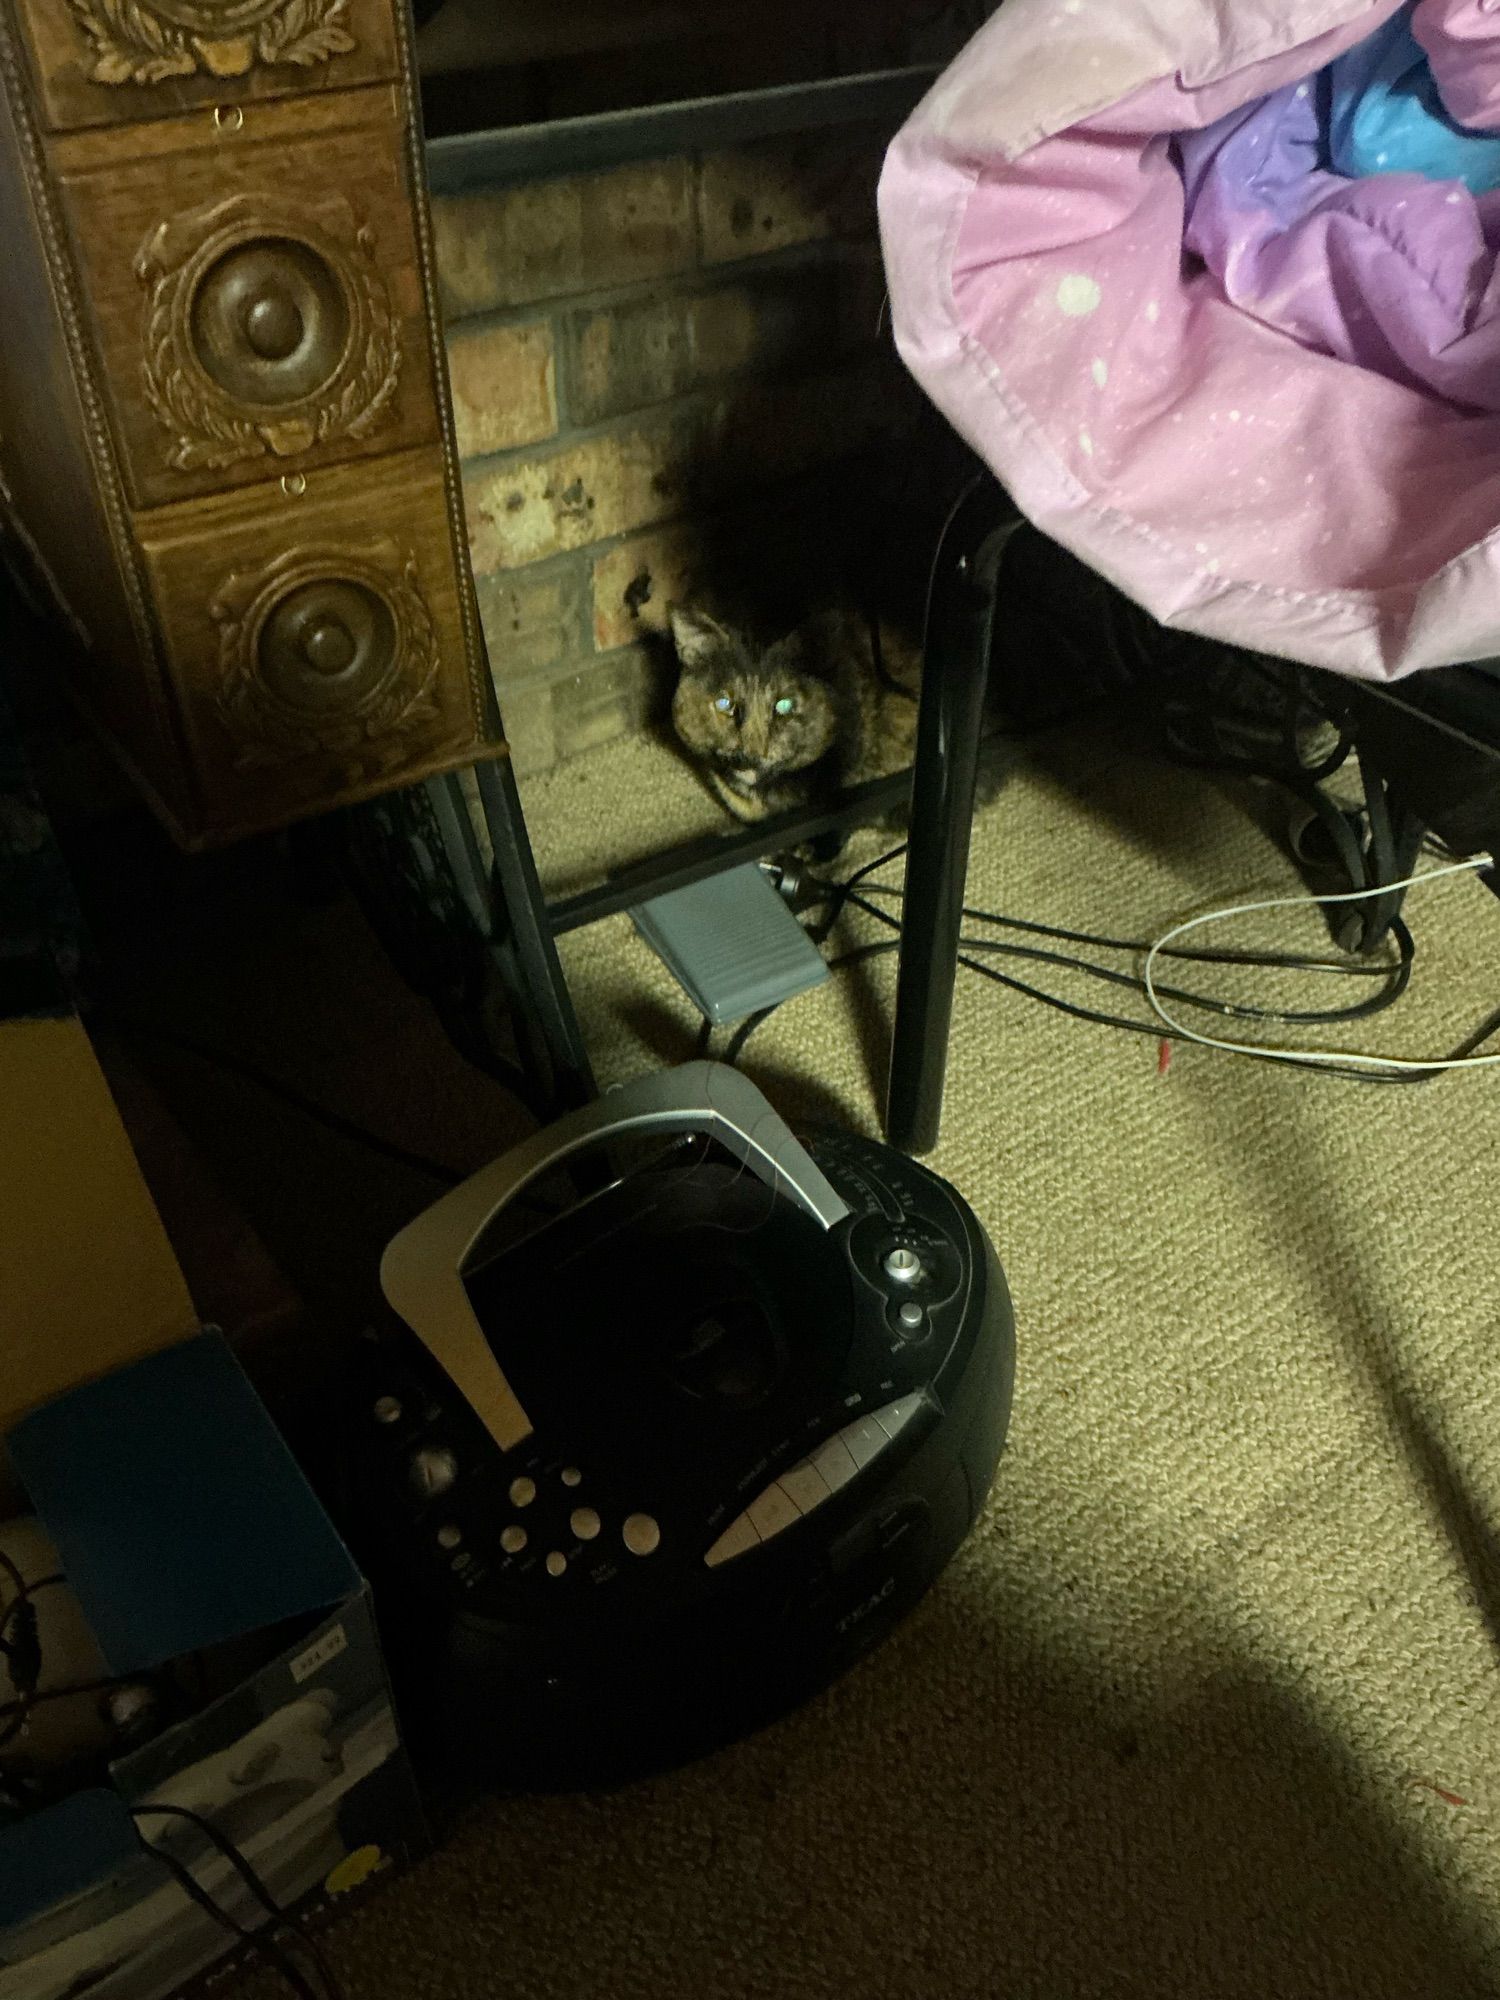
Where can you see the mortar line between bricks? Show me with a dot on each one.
(818, 250)
(817, 288)
(830, 246)
(563, 384)
(787, 372)
(688, 402)
(547, 568)
(587, 561)
(695, 189)
(575, 667)
(764, 497)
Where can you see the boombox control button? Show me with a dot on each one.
(784, 1501)
(773, 1511)
(387, 1410)
(448, 1536)
(522, 1491)
(894, 1418)
(736, 1538)
(903, 1265)
(432, 1471)
(835, 1462)
(513, 1539)
(911, 1317)
(585, 1523)
(571, 1476)
(641, 1534)
(557, 1562)
(806, 1485)
(813, 1480)
(865, 1439)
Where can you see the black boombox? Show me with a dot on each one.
(664, 1458)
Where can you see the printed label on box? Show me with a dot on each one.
(319, 1653)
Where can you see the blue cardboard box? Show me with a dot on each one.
(186, 1531)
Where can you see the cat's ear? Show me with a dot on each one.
(791, 655)
(697, 637)
(813, 649)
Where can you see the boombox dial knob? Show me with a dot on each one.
(431, 1472)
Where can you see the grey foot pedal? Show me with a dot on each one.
(732, 942)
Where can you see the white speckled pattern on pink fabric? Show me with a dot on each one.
(1230, 480)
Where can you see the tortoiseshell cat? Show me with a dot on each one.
(795, 722)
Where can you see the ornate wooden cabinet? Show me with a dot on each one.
(225, 441)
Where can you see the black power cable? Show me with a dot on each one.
(15, 1712)
(1293, 961)
(1157, 1032)
(21, 1651)
(263, 1939)
(1396, 974)
(265, 1948)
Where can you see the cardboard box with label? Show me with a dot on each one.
(174, 1556)
(195, 1546)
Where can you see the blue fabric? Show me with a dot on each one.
(1385, 116)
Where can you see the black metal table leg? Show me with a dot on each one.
(552, 1039)
(960, 616)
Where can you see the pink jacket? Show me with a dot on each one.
(1234, 482)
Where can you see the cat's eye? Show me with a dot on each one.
(787, 705)
(724, 703)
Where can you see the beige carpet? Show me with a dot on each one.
(1210, 1703)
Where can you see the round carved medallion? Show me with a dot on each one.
(327, 653)
(270, 321)
(327, 647)
(268, 330)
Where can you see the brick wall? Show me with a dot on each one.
(659, 372)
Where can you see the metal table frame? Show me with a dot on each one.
(521, 926)
(1430, 756)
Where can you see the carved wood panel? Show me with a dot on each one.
(267, 331)
(105, 62)
(271, 318)
(314, 639)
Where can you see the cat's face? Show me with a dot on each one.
(753, 714)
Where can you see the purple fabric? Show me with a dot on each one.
(1394, 273)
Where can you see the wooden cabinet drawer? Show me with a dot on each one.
(316, 643)
(255, 294)
(110, 62)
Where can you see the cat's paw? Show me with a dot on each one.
(748, 806)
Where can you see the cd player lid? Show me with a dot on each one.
(422, 1271)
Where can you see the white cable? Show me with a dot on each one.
(1333, 1057)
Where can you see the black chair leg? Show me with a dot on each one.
(956, 652)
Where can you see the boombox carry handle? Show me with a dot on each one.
(421, 1273)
